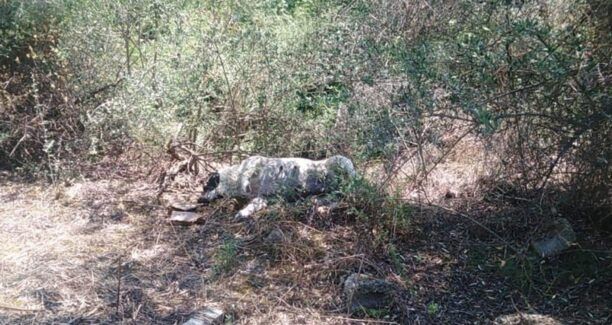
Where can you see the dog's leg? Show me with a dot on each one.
(209, 197)
(256, 204)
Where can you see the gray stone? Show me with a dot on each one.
(183, 206)
(208, 316)
(363, 291)
(185, 217)
(178, 202)
(276, 236)
(525, 319)
(324, 207)
(558, 236)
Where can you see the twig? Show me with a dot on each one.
(479, 224)
(25, 135)
(119, 271)
(589, 123)
(372, 321)
(512, 92)
(333, 260)
(19, 309)
(98, 90)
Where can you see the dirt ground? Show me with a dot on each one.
(103, 252)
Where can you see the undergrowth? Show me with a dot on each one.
(226, 257)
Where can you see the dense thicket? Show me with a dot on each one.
(310, 78)
(36, 112)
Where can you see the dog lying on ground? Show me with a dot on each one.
(257, 178)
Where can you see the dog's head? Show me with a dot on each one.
(212, 182)
(209, 194)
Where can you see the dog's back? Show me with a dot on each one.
(259, 176)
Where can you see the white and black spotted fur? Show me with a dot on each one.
(257, 178)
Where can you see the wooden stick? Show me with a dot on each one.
(19, 309)
(372, 321)
(119, 274)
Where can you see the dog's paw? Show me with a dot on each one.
(241, 216)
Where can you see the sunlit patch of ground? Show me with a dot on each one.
(60, 245)
(102, 252)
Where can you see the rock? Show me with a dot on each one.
(208, 316)
(276, 236)
(253, 270)
(183, 206)
(185, 217)
(178, 202)
(558, 236)
(324, 207)
(117, 214)
(525, 319)
(363, 291)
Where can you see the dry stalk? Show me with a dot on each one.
(19, 309)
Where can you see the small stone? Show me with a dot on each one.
(558, 236)
(276, 236)
(253, 266)
(181, 202)
(185, 217)
(208, 316)
(325, 208)
(117, 215)
(363, 291)
(523, 318)
(183, 206)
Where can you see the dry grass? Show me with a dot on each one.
(64, 250)
(61, 246)
(102, 252)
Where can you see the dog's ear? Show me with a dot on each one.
(212, 182)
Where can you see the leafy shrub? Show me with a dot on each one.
(39, 123)
(312, 78)
(386, 216)
(226, 256)
(532, 76)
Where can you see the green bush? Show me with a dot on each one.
(39, 123)
(314, 78)
(531, 74)
(385, 215)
